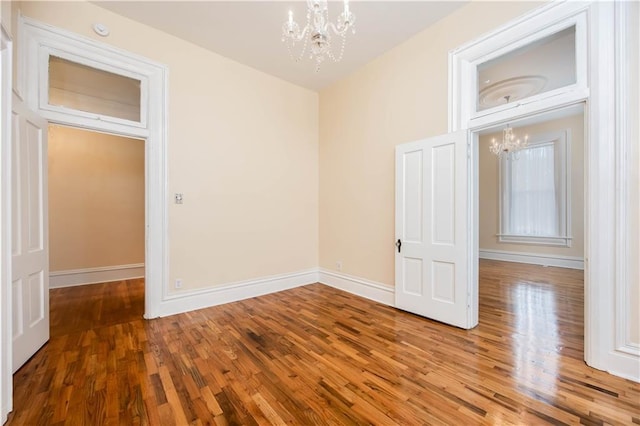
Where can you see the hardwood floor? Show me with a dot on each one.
(316, 355)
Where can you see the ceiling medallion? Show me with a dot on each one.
(515, 88)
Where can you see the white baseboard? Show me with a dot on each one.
(372, 290)
(4, 413)
(74, 277)
(533, 258)
(191, 300)
(624, 365)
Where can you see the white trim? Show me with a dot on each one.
(561, 142)
(627, 134)
(561, 240)
(362, 287)
(606, 96)
(463, 62)
(104, 274)
(571, 262)
(40, 40)
(603, 243)
(36, 38)
(44, 56)
(6, 353)
(186, 301)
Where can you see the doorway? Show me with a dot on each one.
(134, 106)
(531, 201)
(98, 88)
(530, 215)
(96, 186)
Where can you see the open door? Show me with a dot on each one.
(29, 243)
(432, 264)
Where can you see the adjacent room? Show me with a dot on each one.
(96, 224)
(319, 212)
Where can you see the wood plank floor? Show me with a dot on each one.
(316, 355)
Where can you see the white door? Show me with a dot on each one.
(29, 244)
(432, 243)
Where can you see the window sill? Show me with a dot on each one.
(535, 240)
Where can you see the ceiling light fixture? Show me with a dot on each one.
(101, 29)
(510, 144)
(318, 32)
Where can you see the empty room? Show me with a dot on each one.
(319, 212)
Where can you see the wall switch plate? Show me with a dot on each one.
(178, 198)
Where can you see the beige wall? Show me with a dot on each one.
(242, 148)
(96, 199)
(489, 190)
(399, 97)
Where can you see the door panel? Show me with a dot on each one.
(30, 260)
(413, 196)
(432, 265)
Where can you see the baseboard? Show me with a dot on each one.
(624, 365)
(191, 300)
(74, 277)
(533, 258)
(4, 414)
(372, 290)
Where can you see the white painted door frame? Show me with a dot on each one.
(38, 41)
(6, 382)
(35, 38)
(604, 87)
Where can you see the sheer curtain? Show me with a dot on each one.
(533, 208)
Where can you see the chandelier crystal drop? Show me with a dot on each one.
(318, 34)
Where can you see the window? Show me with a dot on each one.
(76, 86)
(540, 66)
(521, 69)
(534, 192)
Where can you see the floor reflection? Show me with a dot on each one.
(536, 339)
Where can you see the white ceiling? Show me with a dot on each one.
(250, 31)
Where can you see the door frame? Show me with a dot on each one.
(33, 35)
(606, 94)
(37, 41)
(6, 349)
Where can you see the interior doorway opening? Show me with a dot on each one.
(97, 221)
(529, 212)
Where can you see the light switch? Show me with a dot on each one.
(178, 198)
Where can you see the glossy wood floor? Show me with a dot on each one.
(316, 355)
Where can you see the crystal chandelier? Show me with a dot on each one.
(509, 145)
(318, 32)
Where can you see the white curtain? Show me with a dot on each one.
(533, 197)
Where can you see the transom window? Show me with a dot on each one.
(76, 86)
(540, 66)
(534, 193)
